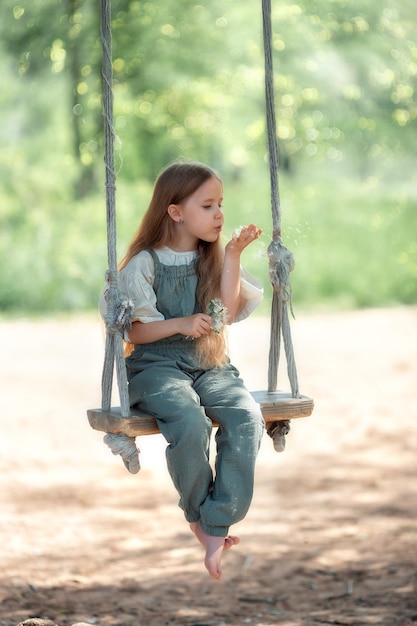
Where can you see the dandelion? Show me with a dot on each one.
(218, 314)
(237, 231)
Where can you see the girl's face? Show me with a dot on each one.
(202, 213)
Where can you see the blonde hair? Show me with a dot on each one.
(174, 184)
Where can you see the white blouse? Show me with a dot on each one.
(137, 278)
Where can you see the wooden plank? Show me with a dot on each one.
(275, 406)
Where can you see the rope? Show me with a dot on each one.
(281, 261)
(126, 447)
(119, 309)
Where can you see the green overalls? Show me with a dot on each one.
(166, 381)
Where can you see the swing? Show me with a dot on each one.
(277, 407)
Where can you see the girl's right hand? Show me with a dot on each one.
(195, 325)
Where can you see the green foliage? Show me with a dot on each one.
(188, 83)
(353, 240)
(357, 247)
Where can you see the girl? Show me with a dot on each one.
(178, 369)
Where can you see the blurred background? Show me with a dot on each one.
(338, 508)
(189, 84)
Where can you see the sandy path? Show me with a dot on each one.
(331, 536)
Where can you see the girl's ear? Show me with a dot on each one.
(174, 211)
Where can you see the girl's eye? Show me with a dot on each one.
(208, 206)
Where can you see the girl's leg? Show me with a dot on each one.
(241, 425)
(166, 392)
(214, 547)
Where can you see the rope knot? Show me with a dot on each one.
(120, 443)
(119, 310)
(281, 263)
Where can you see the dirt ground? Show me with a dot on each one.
(331, 535)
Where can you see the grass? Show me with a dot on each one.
(353, 241)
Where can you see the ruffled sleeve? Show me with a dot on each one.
(251, 295)
(136, 282)
(137, 278)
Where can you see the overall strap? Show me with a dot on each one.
(157, 265)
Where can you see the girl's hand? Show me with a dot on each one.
(195, 325)
(242, 238)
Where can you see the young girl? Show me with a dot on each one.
(178, 369)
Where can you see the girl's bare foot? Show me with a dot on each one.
(230, 540)
(214, 547)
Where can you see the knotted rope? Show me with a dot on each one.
(281, 261)
(119, 308)
(124, 446)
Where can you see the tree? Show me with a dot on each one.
(349, 79)
(189, 79)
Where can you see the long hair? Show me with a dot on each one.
(174, 185)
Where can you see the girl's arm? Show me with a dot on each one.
(136, 281)
(190, 326)
(230, 279)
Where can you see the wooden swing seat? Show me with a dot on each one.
(275, 406)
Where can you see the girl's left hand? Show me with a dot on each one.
(240, 240)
